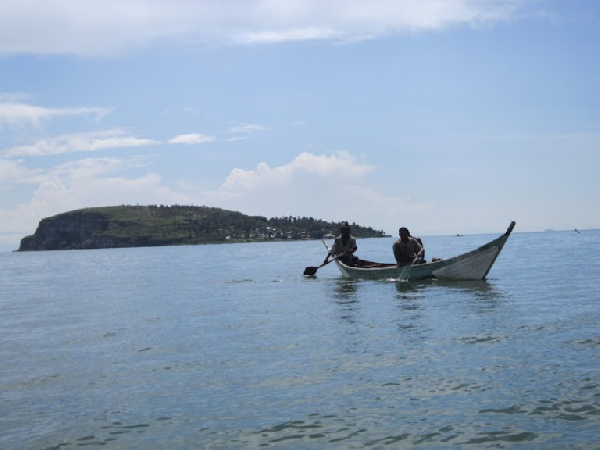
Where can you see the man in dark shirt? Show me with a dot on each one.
(407, 249)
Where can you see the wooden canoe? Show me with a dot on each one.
(474, 265)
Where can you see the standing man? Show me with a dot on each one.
(344, 247)
(407, 249)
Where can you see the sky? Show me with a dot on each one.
(445, 116)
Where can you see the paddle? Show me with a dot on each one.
(311, 270)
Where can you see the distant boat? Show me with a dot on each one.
(474, 265)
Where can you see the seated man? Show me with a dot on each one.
(421, 259)
(344, 247)
(407, 249)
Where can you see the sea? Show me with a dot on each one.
(231, 347)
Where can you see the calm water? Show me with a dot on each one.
(229, 346)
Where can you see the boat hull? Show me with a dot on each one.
(474, 265)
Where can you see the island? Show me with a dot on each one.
(147, 226)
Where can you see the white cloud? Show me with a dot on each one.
(330, 187)
(341, 167)
(194, 138)
(297, 34)
(244, 131)
(64, 194)
(13, 171)
(106, 26)
(92, 168)
(14, 113)
(79, 142)
(247, 129)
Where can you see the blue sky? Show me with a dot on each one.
(445, 116)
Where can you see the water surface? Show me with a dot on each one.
(229, 346)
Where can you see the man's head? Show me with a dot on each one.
(404, 233)
(345, 228)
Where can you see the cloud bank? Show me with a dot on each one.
(87, 27)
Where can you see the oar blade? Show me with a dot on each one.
(310, 271)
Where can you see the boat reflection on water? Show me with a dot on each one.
(480, 295)
(345, 295)
(480, 287)
(346, 289)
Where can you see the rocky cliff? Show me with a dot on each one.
(76, 229)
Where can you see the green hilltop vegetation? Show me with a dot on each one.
(142, 226)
